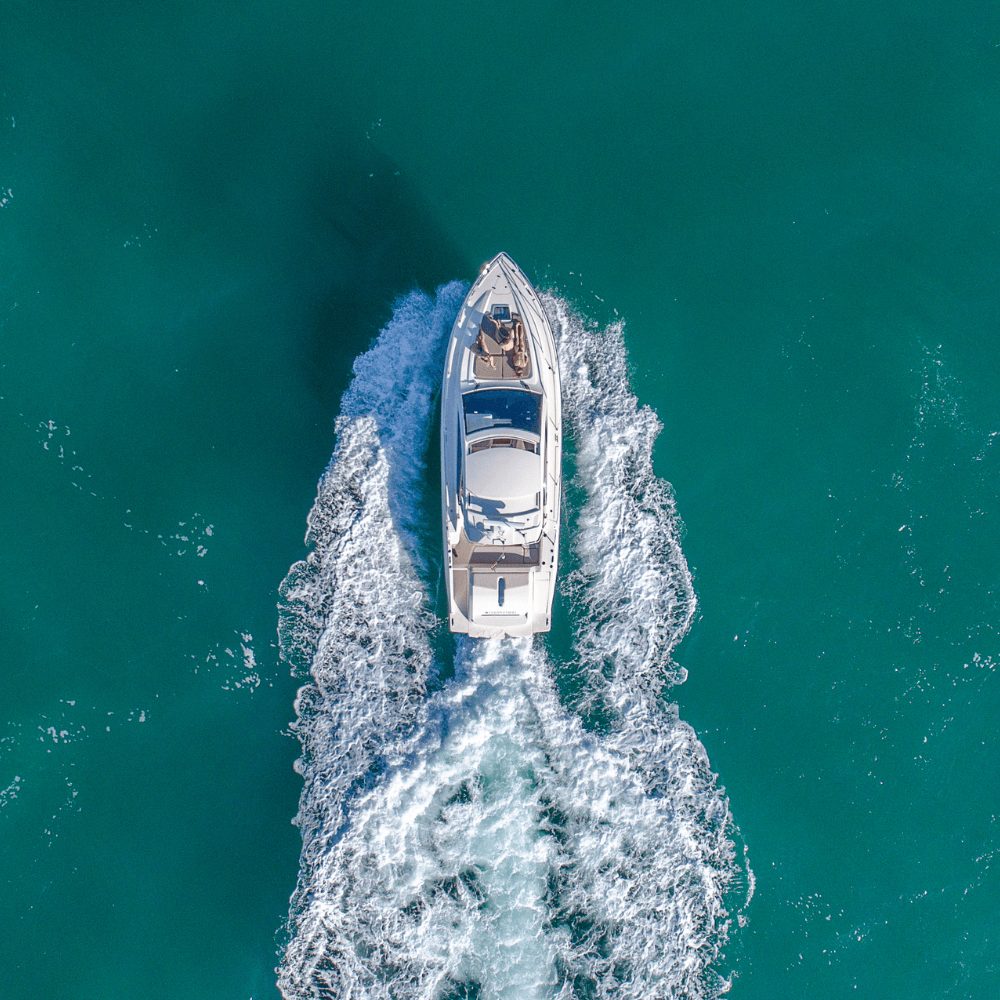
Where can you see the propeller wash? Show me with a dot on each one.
(484, 836)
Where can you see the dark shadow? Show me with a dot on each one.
(381, 241)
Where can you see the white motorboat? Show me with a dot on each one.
(501, 458)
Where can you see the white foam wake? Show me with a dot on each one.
(632, 586)
(438, 887)
(482, 841)
(353, 613)
(633, 600)
(507, 853)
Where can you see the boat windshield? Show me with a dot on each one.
(515, 408)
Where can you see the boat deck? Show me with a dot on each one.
(500, 340)
(468, 554)
(496, 363)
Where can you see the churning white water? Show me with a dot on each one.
(488, 839)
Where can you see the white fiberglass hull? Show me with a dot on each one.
(501, 459)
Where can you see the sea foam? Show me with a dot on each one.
(483, 840)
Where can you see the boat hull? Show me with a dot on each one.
(501, 459)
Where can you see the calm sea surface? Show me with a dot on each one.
(208, 212)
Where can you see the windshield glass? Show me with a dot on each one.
(515, 408)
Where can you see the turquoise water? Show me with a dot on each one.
(207, 214)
